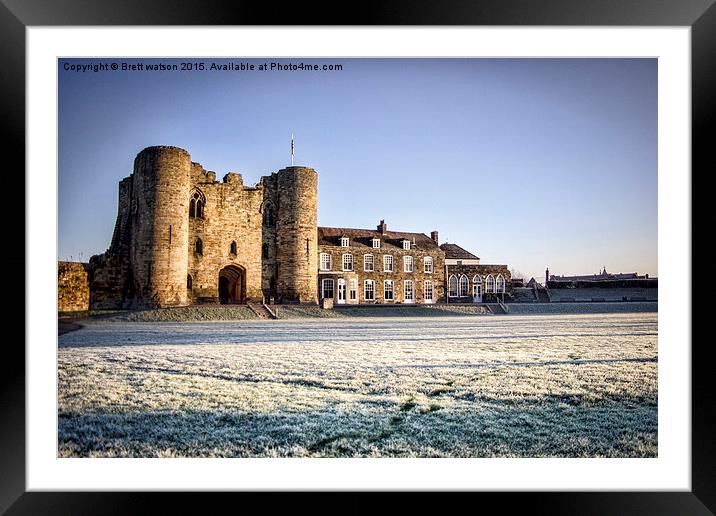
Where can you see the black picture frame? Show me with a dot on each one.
(16, 15)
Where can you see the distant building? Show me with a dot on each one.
(604, 286)
(603, 275)
(532, 283)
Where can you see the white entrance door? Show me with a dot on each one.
(341, 291)
(477, 293)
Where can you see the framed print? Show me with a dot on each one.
(608, 408)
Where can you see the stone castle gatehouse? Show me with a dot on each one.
(183, 237)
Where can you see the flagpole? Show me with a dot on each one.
(291, 149)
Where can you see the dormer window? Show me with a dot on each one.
(406, 245)
(344, 241)
(376, 243)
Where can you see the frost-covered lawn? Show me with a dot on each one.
(567, 385)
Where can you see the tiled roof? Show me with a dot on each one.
(364, 238)
(455, 252)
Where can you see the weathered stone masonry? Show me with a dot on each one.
(183, 237)
(72, 286)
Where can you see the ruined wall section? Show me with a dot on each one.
(110, 281)
(231, 214)
(108, 272)
(122, 228)
(73, 290)
(297, 235)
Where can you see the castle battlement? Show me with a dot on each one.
(182, 237)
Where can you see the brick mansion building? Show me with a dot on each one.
(181, 237)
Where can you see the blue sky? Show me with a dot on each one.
(527, 162)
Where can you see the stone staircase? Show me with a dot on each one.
(542, 295)
(496, 308)
(524, 295)
(261, 310)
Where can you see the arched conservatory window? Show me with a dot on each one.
(489, 284)
(452, 286)
(464, 286)
(500, 284)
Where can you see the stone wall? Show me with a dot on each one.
(152, 255)
(110, 280)
(73, 293)
(232, 214)
(269, 216)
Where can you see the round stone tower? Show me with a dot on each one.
(159, 247)
(297, 235)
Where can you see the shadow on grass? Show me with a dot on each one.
(236, 333)
(536, 363)
(488, 428)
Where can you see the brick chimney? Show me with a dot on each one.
(383, 227)
(434, 236)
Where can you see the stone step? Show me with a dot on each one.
(261, 310)
(496, 308)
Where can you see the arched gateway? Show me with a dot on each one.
(232, 285)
